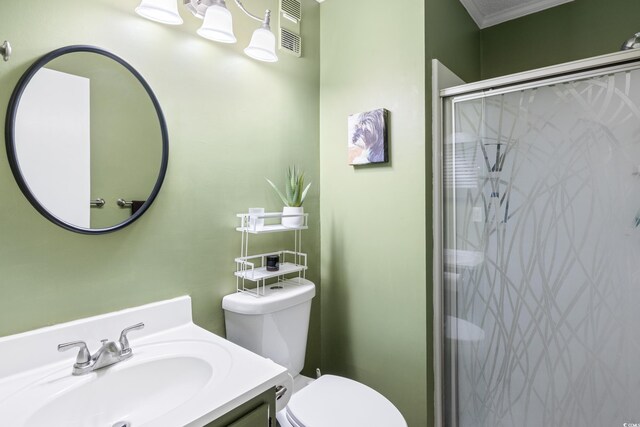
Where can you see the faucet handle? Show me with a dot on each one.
(84, 357)
(124, 342)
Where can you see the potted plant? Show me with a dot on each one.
(293, 197)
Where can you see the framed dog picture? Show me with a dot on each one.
(368, 137)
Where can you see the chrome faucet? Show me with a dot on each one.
(109, 353)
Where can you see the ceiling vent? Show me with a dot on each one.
(290, 17)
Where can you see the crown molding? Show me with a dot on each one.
(514, 12)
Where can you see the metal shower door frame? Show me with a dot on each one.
(444, 102)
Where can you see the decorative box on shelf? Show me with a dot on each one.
(253, 271)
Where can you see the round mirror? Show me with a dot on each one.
(86, 140)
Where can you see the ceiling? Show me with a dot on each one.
(491, 12)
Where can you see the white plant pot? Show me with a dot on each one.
(293, 221)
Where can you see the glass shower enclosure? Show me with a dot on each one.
(540, 274)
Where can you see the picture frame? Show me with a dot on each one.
(368, 137)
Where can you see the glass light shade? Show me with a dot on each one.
(217, 25)
(164, 11)
(262, 46)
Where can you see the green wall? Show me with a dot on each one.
(575, 30)
(376, 220)
(231, 120)
(373, 231)
(453, 38)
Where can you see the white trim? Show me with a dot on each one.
(616, 58)
(441, 77)
(474, 12)
(514, 12)
(520, 11)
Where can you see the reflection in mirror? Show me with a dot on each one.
(86, 127)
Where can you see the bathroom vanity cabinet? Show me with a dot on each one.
(257, 412)
(251, 270)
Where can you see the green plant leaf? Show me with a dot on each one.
(288, 191)
(282, 197)
(300, 189)
(290, 185)
(296, 195)
(304, 194)
(293, 194)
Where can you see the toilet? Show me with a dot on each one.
(275, 326)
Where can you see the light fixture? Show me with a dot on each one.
(217, 23)
(164, 11)
(263, 43)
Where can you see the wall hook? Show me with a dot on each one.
(125, 203)
(5, 50)
(97, 203)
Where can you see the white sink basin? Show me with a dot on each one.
(157, 380)
(181, 376)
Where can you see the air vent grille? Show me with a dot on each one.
(290, 42)
(292, 8)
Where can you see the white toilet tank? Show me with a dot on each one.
(274, 325)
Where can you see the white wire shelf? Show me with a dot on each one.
(254, 269)
(251, 272)
(264, 223)
(261, 273)
(274, 228)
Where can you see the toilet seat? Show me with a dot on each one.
(332, 401)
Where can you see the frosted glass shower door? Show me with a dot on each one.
(541, 278)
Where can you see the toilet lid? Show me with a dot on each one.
(341, 402)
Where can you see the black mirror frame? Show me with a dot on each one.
(11, 148)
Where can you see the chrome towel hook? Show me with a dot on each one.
(5, 50)
(125, 203)
(97, 203)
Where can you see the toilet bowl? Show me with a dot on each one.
(334, 401)
(275, 326)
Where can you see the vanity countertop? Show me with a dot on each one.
(180, 374)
